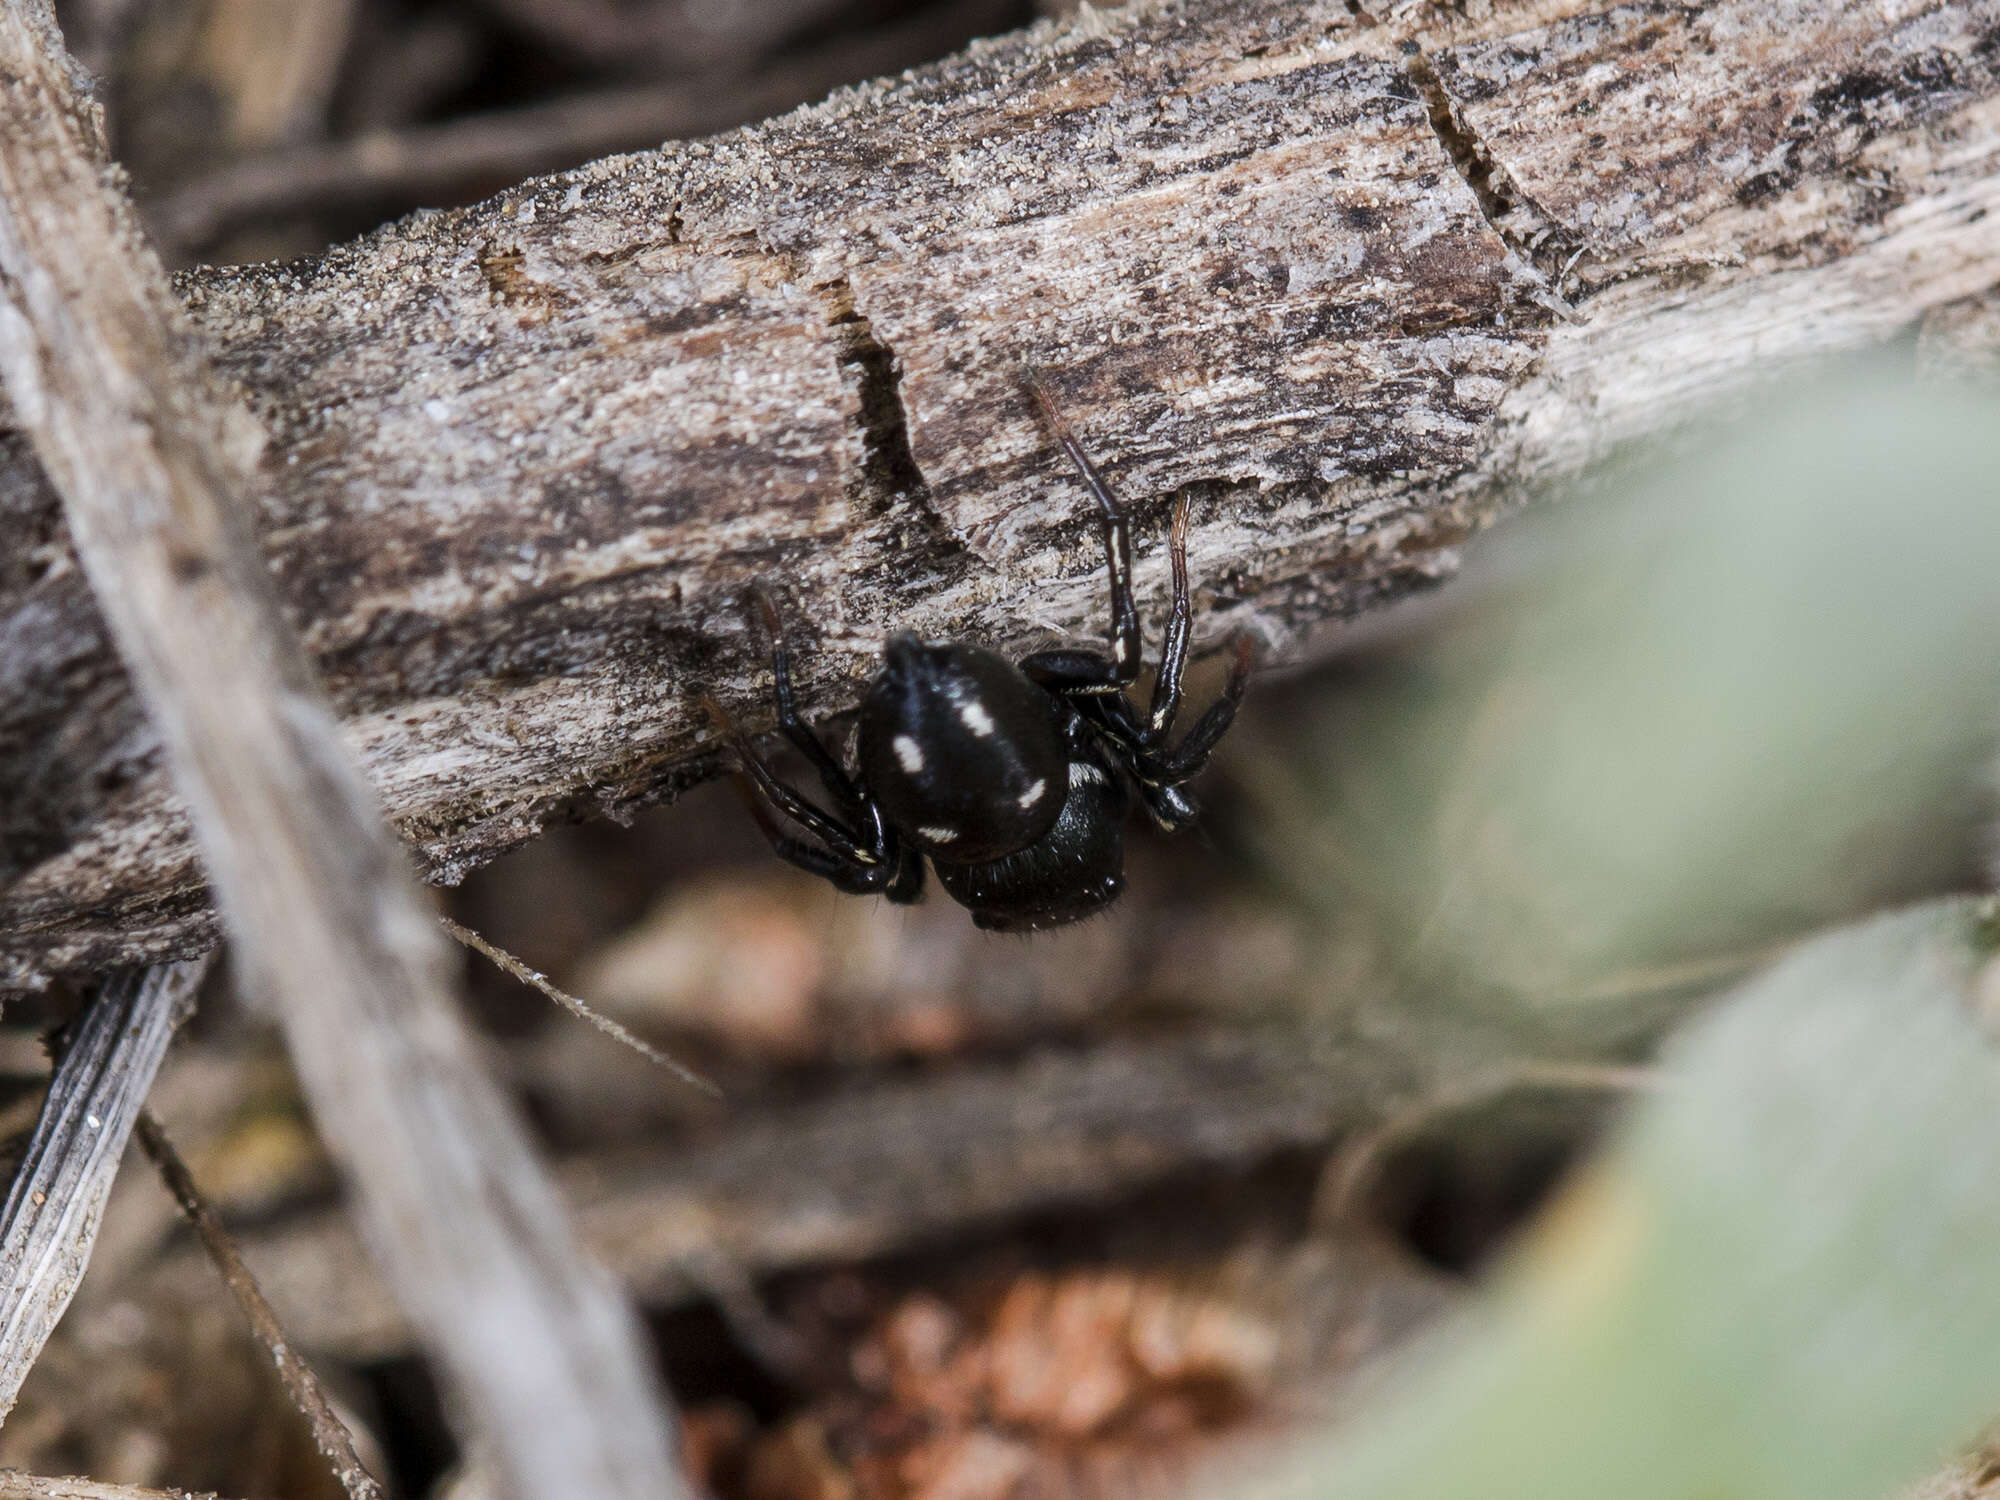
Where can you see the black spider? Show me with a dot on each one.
(1012, 778)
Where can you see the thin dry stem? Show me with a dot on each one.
(56, 1201)
(509, 964)
(1352, 1171)
(330, 1434)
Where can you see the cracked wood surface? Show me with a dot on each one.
(1354, 278)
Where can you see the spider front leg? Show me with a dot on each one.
(1166, 699)
(1079, 673)
(1097, 683)
(1082, 674)
(900, 877)
(1180, 626)
(1099, 687)
(1162, 772)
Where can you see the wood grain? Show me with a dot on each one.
(1356, 280)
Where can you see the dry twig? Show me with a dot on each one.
(671, 35)
(330, 1434)
(509, 964)
(126, 420)
(433, 161)
(14, 1485)
(883, 1170)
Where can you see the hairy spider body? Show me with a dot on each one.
(1014, 779)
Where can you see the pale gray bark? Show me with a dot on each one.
(150, 461)
(15, 1485)
(1356, 279)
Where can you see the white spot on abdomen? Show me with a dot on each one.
(1031, 796)
(910, 753)
(1083, 773)
(938, 835)
(975, 718)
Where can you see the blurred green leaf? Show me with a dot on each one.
(1725, 701)
(1780, 1285)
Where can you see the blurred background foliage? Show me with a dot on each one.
(1777, 1284)
(263, 129)
(1550, 898)
(1743, 690)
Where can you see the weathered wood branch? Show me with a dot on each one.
(1353, 280)
(15, 1485)
(542, 1353)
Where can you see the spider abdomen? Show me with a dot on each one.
(963, 752)
(1074, 869)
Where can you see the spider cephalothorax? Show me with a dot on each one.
(1013, 778)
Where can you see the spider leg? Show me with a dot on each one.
(1171, 808)
(833, 776)
(1191, 754)
(1096, 682)
(900, 877)
(801, 810)
(1124, 637)
(1114, 716)
(1174, 648)
(1074, 673)
(845, 874)
(1157, 768)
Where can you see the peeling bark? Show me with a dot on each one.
(1355, 279)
